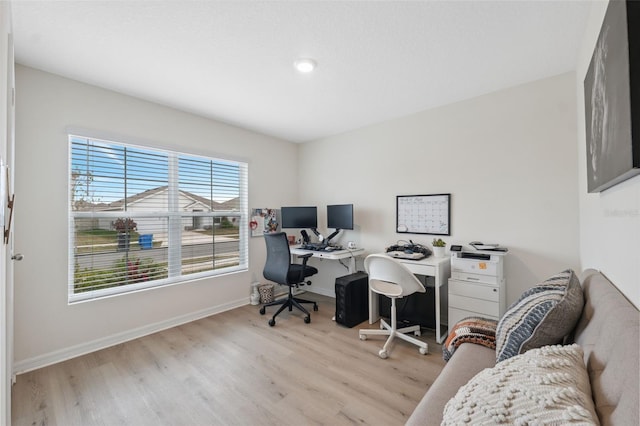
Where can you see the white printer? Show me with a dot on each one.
(477, 285)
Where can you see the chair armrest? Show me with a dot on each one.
(305, 258)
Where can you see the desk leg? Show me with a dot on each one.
(441, 284)
(437, 285)
(374, 314)
(352, 265)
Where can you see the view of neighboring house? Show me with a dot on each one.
(148, 202)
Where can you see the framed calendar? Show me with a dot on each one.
(423, 214)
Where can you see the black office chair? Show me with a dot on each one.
(279, 269)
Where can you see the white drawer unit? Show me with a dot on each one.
(476, 287)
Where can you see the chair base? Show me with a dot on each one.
(289, 302)
(393, 331)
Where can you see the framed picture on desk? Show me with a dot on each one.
(423, 214)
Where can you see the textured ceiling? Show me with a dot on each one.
(232, 60)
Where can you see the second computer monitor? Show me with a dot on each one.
(340, 216)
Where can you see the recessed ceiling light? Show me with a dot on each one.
(305, 65)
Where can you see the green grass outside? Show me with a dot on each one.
(100, 236)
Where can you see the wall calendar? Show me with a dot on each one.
(423, 214)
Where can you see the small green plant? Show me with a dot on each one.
(225, 222)
(437, 242)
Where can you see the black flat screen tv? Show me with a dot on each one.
(299, 217)
(340, 216)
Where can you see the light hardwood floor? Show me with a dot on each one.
(232, 368)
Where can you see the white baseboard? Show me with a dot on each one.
(317, 290)
(60, 355)
(322, 291)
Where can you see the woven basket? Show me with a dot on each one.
(266, 293)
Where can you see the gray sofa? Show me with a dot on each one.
(609, 333)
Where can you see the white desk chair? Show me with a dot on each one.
(391, 278)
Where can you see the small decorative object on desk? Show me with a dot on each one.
(438, 247)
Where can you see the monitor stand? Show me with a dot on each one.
(333, 234)
(318, 234)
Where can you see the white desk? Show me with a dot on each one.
(437, 267)
(331, 255)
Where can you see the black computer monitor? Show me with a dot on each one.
(299, 217)
(340, 216)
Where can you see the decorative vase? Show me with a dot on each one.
(255, 294)
(438, 251)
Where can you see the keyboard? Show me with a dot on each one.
(320, 247)
(315, 247)
(403, 255)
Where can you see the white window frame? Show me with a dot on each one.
(174, 220)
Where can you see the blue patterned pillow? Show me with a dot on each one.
(543, 315)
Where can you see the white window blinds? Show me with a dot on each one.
(142, 217)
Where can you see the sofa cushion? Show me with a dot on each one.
(548, 385)
(543, 315)
(468, 360)
(609, 333)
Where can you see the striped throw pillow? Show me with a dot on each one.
(543, 315)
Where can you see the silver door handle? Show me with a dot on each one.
(17, 256)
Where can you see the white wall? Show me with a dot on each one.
(47, 329)
(508, 159)
(610, 220)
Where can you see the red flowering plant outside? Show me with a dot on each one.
(131, 270)
(136, 273)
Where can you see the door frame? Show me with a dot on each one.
(7, 149)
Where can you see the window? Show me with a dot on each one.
(143, 218)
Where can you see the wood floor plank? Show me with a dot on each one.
(234, 369)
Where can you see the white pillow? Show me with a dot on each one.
(547, 385)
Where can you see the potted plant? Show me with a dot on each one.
(438, 247)
(124, 226)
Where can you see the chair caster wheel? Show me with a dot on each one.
(307, 320)
(315, 307)
(423, 351)
(363, 337)
(262, 311)
(272, 322)
(383, 354)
